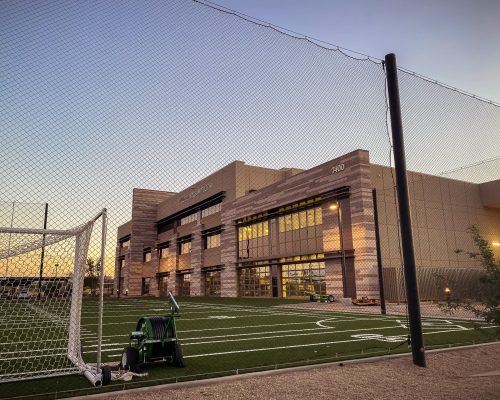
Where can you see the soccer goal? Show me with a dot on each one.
(42, 274)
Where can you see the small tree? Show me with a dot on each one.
(91, 279)
(490, 295)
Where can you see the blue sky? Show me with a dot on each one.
(453, 41)
(99, 97)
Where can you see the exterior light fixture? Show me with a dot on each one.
(126, 292)
(496, 244)
(334, 206)
(447, 290)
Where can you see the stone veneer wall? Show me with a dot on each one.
(143, 234)
(320, 179)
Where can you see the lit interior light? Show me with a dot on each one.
(496, 244)
(447, 290)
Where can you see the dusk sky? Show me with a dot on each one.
(453, 41)
(101, 97)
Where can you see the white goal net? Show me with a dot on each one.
(42, 274)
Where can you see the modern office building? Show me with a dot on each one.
(252, 231)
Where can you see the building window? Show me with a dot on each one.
(303, 279)
(163, 251)
(253, 240)
(211, 210)
(185, 284)
(212, 283)
(145, 286)
(212, 241)
(189, 218)
(163, 285)
(184, 245)
(255, 282)
(300, 219)
(125, 244)
(146, 255)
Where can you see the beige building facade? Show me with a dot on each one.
(257, 232)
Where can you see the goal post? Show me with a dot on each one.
(42, 273)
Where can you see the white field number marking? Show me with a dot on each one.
(381, 338)
(221, 317)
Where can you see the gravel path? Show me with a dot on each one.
(449, 375)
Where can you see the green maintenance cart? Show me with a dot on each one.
(154, 339)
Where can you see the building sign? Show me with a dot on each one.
(195, 192)
(338, 168)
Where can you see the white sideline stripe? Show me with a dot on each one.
(263, 333)
(32, 351)
(258, 333)
(312, 344)
(233, 310)
(212, 306)
(28, 358)
(274, 348)
(208, 318)
(184, 319)
(88, 346)
(283, 336)
(254, 350)
(304, 345)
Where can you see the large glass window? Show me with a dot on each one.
(255, 281)
(189, 218)
(253, 231)
(163, 252)
(212, 283)
(146, 255)
(253, 240)
(184, 245)
(303, 279)
(211, 210)
(300, 219)
(185, 248)
(125, 244)
(212, 241)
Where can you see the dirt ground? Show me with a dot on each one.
(467, 373)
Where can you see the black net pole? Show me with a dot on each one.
(417, 343)
(379, 254)
(42, 256)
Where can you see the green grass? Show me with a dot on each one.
(223, 336)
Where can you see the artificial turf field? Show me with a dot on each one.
(221, 336)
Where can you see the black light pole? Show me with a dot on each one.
(42, 256)
(379, 254)
(417, 342)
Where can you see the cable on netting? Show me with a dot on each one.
(289, 32)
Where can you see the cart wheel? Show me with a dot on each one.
(331, 299)
(178, 359)
(106, 375)
(130, 359)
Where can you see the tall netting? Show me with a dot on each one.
(41, 283)
(453, 153)
(238, 163)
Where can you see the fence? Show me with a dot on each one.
(237, 162)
